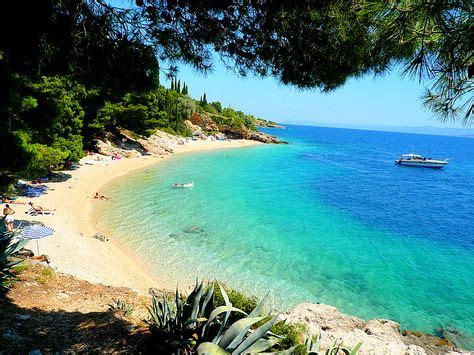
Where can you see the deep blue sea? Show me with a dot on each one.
(328, 218)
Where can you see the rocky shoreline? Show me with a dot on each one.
(131, 145)
(268, 124)
(29, 316)
(378, 336)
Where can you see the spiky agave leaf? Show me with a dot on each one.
(254, 337)
(7, 249)
(258, 309)
(236, 332)
(209, 348)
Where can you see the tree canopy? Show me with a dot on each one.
(319, 44)
(71, 70)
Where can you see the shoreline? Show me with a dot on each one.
(72, 249)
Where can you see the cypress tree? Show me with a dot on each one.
(172, 84)
(178, 89)
(204, 100)
(177, 117)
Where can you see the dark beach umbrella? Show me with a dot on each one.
(36, 231)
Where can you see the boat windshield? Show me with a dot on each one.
(412, 156)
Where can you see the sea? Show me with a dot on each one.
(328, 218)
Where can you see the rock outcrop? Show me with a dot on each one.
(243, 133)
(193, 128)
(378, 336)
(204, 121)
(268, 124)
(129, 145)
(107, 148)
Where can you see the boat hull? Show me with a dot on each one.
(422, 164)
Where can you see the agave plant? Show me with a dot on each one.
(7, 248)
(185, 325)
(239, 338)
(177, 324)
(313, 347)
(124, 307)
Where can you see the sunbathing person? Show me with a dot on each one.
(100, 197)
(40, 209)
(15, 202)
(24, 253)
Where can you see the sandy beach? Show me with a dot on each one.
(72, 249)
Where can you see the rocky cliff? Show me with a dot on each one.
(201, 124)
(129, 145)
(204, 122)
(244, 133)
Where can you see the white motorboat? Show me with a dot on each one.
(421, 161)
(181, 186)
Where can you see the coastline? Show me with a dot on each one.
(72, 249)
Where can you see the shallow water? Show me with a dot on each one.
(328, 218)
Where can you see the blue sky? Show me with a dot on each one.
(388, 100)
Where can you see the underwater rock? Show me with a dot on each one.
(194, 230)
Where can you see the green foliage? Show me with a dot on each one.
(7, 248)
(178, 324)
(313, 347)
(237, 298)
(194, 324)
(216, 105)
(203, 100)
(46, 125)
(125, 308)
(291, 335)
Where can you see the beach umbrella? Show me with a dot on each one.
(36, 232)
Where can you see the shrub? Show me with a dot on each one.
(237, 298)
(292, 335)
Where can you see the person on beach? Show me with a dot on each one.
(7, 212)
(99, 197)
(40, 209)
(16, 202)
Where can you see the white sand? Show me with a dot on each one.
(72, 249)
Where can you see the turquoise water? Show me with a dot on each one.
(328, 218)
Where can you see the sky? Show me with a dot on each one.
(386, 101)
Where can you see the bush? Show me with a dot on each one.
(292, 335)
(237, 298)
